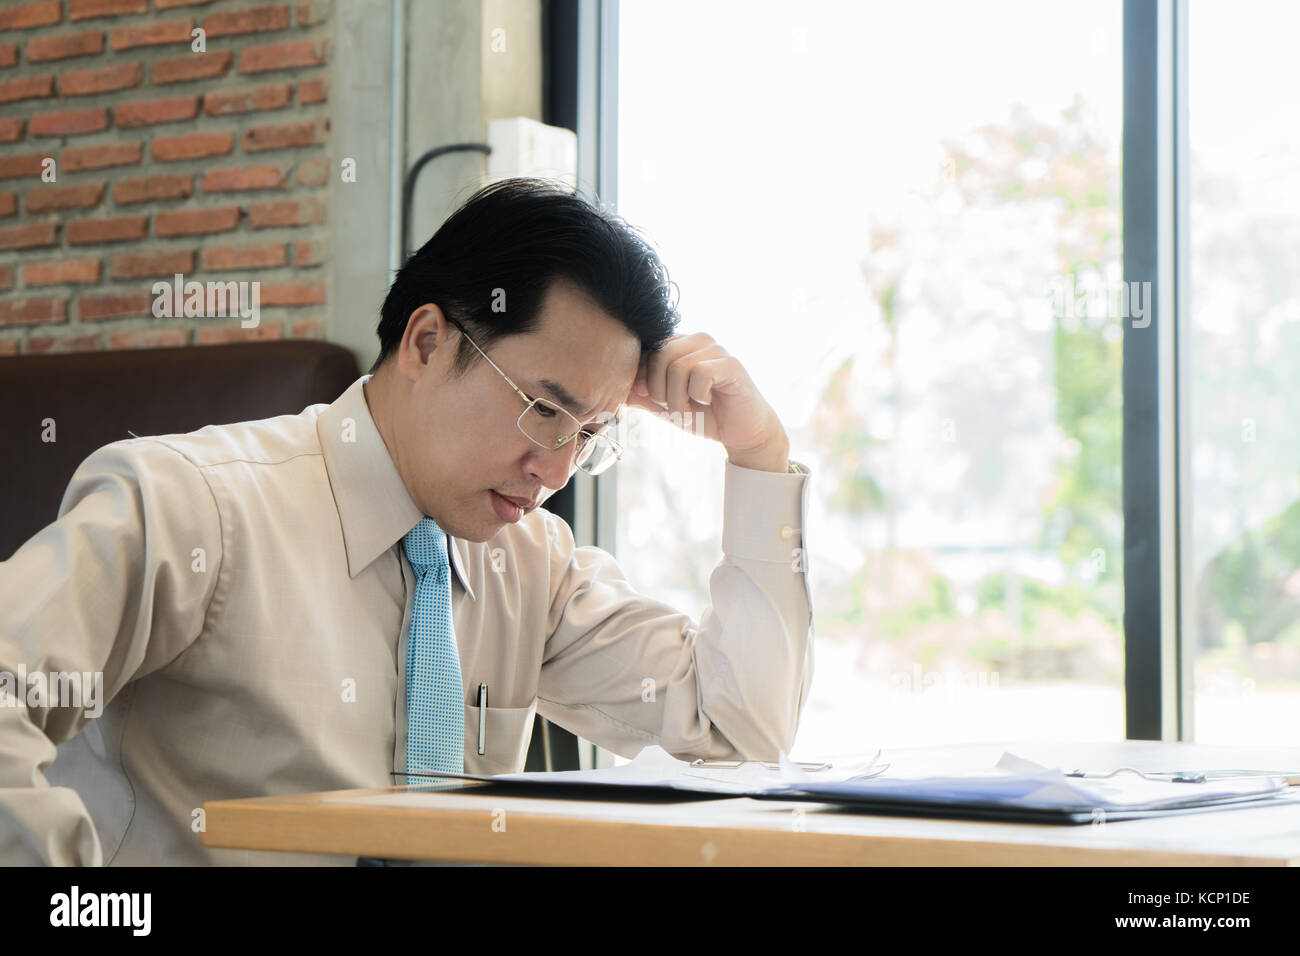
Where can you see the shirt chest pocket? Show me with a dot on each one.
(504, 733)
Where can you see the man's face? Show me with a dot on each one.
(457, 438)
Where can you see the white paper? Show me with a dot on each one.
(655, 767)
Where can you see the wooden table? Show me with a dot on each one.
(465, 822)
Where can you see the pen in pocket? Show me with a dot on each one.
(482, 716)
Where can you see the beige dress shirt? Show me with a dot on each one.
(244, 592)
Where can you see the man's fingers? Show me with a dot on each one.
(705, 377)
(679, 374)
(657, 363)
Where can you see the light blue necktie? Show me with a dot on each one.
(435, 695)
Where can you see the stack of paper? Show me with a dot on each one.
(654, 767)
(1014, 789)
(1018, 789)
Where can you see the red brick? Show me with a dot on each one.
(29, 164)
(283, 56)
(147, 112)
(28, 236)
(152, 34)
(60, 271)
(163, 262)
(239, 178)
(270, 255)
(269, 96)
(309, 252)
(196, 222)
(148, 338)
(312, 91)
(152, 188)
(8, 54)
(170, 149)
(8, 346)
(11, 130)
(27, 15)
(223, 334)
(26, 88)
(112, 229)
(313, 172)
(32, 311)
(108, 79)
(312, 13)
(110, 305)
(88, 9)
(291, 293)
(81, 196)
(8, 204)
(284, 135)
(249, 20)
(40, 49)
(192, 66)
(6, 277)
(76, 158)
(69, 122)
(288, 212)
(44, 344)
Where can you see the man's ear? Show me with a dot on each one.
(428, 329)
(425, 331)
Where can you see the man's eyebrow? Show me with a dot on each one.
(562, 395)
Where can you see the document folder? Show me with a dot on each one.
(1015, 790)
(1023, 799)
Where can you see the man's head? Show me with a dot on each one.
(563, 297)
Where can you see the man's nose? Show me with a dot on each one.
(552, 468)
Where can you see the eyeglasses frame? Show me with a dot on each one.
(530, 402)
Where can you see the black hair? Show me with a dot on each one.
(516, 237)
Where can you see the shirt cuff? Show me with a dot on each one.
(763, 513)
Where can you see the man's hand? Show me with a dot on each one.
(696, 377)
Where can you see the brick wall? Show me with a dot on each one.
(210, 164)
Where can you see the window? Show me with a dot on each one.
(1243, 350)
(914, 248)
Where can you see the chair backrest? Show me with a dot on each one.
(94, 398)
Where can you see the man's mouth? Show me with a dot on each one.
(509, 509)
(524, 503)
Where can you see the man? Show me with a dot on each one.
(316, 601)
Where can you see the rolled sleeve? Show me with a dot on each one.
(625, 671)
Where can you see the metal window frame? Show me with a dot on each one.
(596, 499)
(1158, 683)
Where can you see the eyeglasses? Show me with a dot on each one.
(544, 423)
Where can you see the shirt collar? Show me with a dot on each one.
(375, 509)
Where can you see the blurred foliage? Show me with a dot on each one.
(899, 602)
(1251, 590)
(1071, 630)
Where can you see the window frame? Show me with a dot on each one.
(1158, 655)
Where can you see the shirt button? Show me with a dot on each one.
(787, 531)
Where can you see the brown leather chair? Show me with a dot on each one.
(96, 398)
